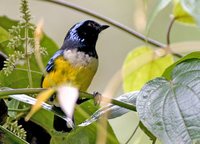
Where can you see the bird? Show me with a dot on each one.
(76, 62)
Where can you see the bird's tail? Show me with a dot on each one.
(60, 125)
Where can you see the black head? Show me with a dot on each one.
(83, 36)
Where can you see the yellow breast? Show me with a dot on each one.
(74, 71)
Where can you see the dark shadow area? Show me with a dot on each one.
(2, 59)
(35, 133)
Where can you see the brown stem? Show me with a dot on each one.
(168, 37)
(169, 30)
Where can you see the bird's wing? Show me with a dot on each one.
(50, 64)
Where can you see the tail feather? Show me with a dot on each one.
(60, 125)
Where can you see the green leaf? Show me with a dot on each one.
(44, 119)
(141, 65)
(4, 35)
(89, 132)
(13, 104)
(7, 137)
(19, 78)
(85, 135)
(170, 109)
(168, 71)
(192, 7)
(160, 5)
(84, 111)
(6, 22)
(181, 15)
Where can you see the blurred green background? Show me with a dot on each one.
(113, 44)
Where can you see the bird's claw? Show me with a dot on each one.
(97, 98)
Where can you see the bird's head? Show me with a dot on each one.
(84, 34)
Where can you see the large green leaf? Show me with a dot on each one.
(168, 71)
(83, 135)
(142, 65)
(44, 119)
(170, 109)
(89, 132)
(19, 77)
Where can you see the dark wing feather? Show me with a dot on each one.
(50, 64)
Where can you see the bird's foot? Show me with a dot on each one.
(97, 98)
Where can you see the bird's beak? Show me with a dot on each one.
(103, 27)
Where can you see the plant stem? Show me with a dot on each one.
(19, 110)
(82, 95)
(21, 91)
(132, 134)
(107, 20)
(113, 101)
(169, 30)
(32, 71)
(168, 37)
(27, 57)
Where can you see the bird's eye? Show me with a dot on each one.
(89, 24)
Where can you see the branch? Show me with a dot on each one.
(107, 20)
(82, 95)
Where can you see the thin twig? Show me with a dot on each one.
(168, 37)
(132, 134)
(107, 20)
(169, 30)
(21, 91)
(19, 110)
(28, 58)
(32, 71)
